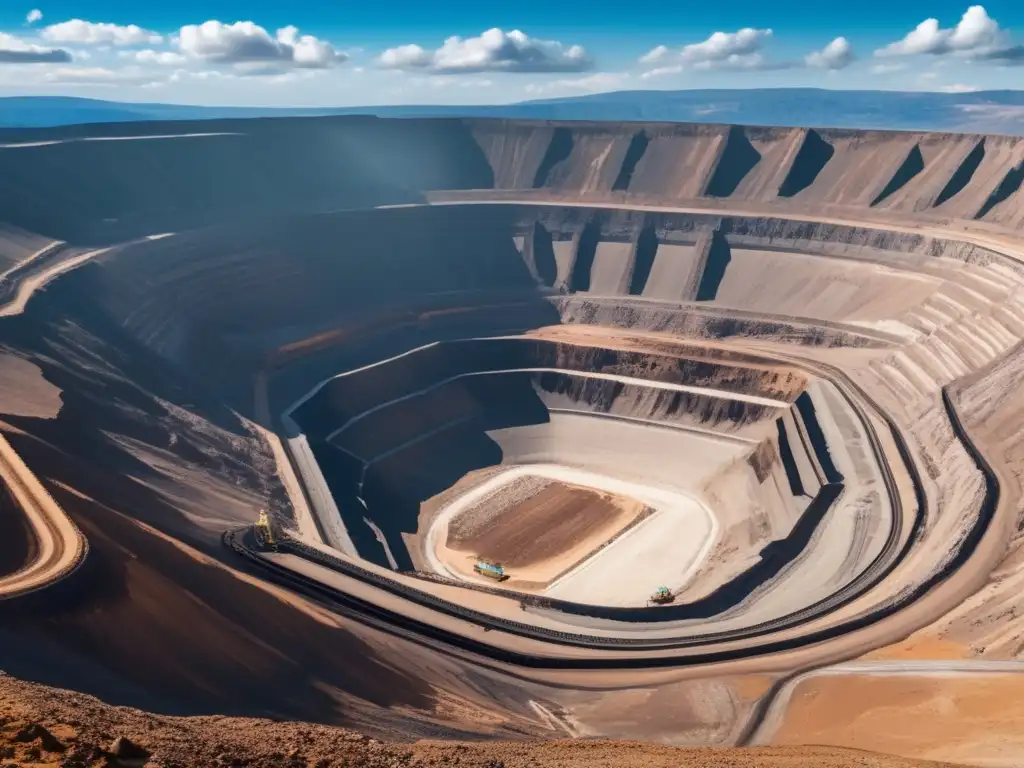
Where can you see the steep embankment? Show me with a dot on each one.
(66, 183)
(149, 178)
(931, 175)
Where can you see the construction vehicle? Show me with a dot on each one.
(264, 531)
(661, 596)
(490, 570)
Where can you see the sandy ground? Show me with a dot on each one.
(974, 718)
(663, 551)
(672, 541)
(26, 392)
(543, 527)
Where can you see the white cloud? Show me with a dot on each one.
(441, 81)
(149, 56)
(595, 83)
(662, 71)
(90, 33)
(33, 16)
(1009, 54)
(740, 50)
(741, 61)
(959, 88)
(887, 69)
(81, 74)
(976, 33)
(96, 76)
(203, 75)
(654, 55)
(16, 51)
(250, 47)
(836, 55)
(405, 57)
(493, 51)
(722, 46)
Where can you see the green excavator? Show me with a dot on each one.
(661, 596)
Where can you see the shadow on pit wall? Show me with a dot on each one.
(395, 484)
(90, 192)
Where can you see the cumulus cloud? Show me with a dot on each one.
(976, 33)
(406, 57)
(655, 55)
(959, 88)
(836, 55)
(249, 45)
(740, 50)
(1010, 54)
(723, 46)
(887, 69)
(33, 16)
(99, 76)
(662, 71)
(599, 81)
(92, 33)
(16, 51)
(439, 81)
(149, 56)
(493, 51)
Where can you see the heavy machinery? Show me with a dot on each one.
(490, 570)
(661, 596)
(264, 531)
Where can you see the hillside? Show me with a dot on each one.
(983, 111)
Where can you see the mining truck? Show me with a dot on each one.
(264, 531)
(490, 570)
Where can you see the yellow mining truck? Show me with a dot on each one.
(264, 531)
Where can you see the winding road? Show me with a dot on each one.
(61, 546)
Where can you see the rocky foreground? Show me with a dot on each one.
(42, 726)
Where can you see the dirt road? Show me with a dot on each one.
(516, 197)
(61, 546)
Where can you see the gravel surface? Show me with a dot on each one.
(41, 726)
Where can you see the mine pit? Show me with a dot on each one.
(769, 373)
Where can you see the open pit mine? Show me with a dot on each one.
(695, 435)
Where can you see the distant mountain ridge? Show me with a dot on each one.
(982, 111)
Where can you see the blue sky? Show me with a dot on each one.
(329, 53)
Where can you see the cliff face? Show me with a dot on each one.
(950, 175)
(106, 183)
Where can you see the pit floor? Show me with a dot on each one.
(538, 537)
(640, 537)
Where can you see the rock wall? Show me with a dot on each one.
(946, 175)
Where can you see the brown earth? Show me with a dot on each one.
(544, 526)
(967, 718)
(25, 391)
(42, 726)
